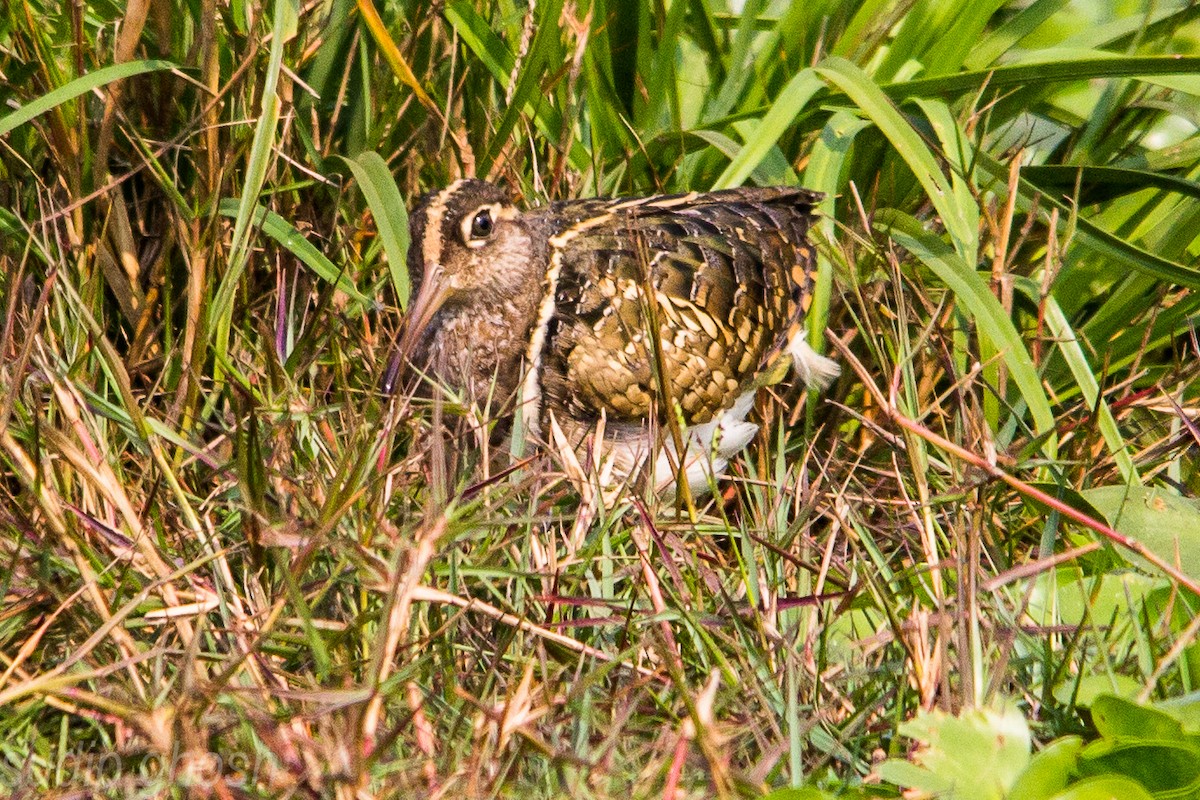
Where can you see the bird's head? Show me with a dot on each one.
(469, 245)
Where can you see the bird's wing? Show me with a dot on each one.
(720, 277)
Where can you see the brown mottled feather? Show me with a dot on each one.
(728, 271)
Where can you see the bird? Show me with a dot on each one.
(653, 318)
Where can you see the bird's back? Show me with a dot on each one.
(704, 285)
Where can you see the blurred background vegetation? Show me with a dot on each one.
(227, 570)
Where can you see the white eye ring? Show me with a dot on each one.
(479, 226)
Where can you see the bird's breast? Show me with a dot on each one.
(479, 349)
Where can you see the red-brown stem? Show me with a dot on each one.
(889, 407)
(1028, 490)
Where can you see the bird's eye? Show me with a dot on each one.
(483, 226)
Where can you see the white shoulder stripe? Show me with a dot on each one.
(531, 390)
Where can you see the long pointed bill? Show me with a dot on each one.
(431, 297)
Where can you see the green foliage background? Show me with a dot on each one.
(227, 567)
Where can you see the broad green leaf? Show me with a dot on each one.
(1116, 717)
(978, 755)
(1185, 709)
(799, 793)
(1104, 243)
(1065, 494)
(1118, 597)
(1049, 771)
(1105, 787)
(912, 776)
(1083, 691)
(379, 189)
(1168, 769)
(1167, 524)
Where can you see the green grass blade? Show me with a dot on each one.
(952, 47)
(526, 95)
(379, 189)
(499, 61)
(1123, 32)
(739, 62)
(824, 174)
(908, 143)
(80, 86)
(480, 39)
(294, 242)
(989, 316)
(256, 172)
(1104, 243)
(792, 101)
(392, 55)
(608, 132)
(661, 105)
(959, 152)
(1012, 32)
(1098, 184)
(1185, 154)
(1068, 344)
(870, 19)
(1093, 237)
(1044, 68)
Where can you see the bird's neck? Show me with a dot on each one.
(480, 345)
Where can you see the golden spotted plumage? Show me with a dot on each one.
(717, 274)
